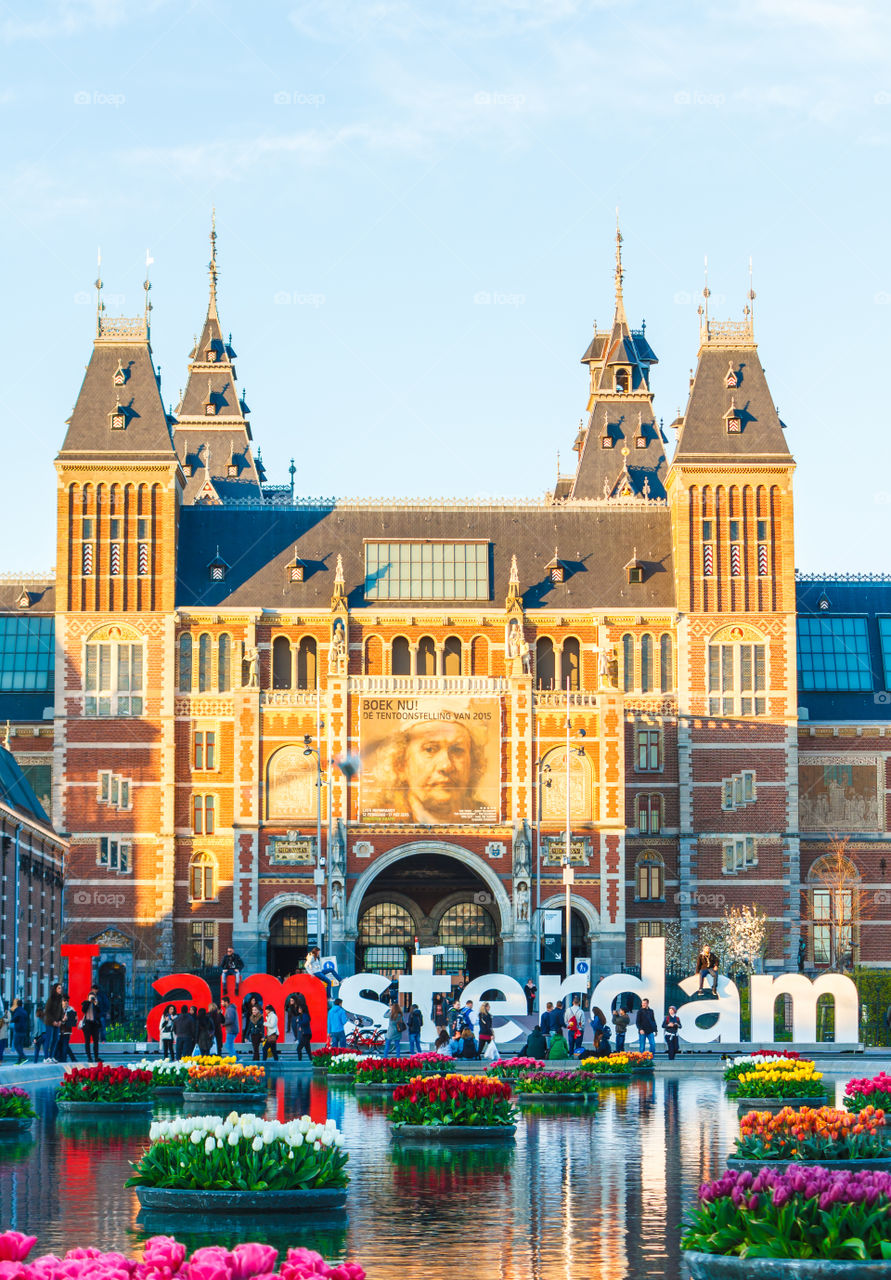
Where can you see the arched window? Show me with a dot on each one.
(386, 932)
(666, 664)
(479, 656)
(571, 664)
(466, 924)
(224, 663)
(374, 656)
(401, 657)
(202, 878)
(307, 663)
(622, 380)
(203, 662)
(628, 663)
(451, 657)
(426, 656)
(185, 663)
(646, 664)
(649, 877)
(204, 815)
(545, 663)
(281, 663)
(649, 815)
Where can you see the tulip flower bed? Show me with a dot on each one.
(391, 1071)
(866, 1092)
(804, 1213)
(453, 1100)
(813, 1135)
(333, 1058)
(104, 1084)
(15, 1104)
(757, 1061)
(792, 1080)
(580, 1082)
(511, 1068)
(242, 1153)
(166, 1074)
(164, 1258)
(617, 1064)
(639, 1061)
(225, 1077)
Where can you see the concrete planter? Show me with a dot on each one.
(777, 1104)
(376, 1088)
(455, 1132)
(105, 1108)
(715, 1266)
(556, 1097)
(874, 1162)
(169, 1090)
(171, 1200)
(340, 1077)
(14, 1124)
(214, 1096)
(614, 1077)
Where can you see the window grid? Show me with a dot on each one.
(201, 878)
(885, 639)
(737, 680)
(648, 754)
(204, 815)
(426, 571)
(114, 854)
(649, 815)
(650, 879)
(27, 659)
(205, 749)
(740, 853)
(833, 653)
(113, 685)
(203, 943)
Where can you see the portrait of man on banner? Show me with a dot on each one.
(430, 761)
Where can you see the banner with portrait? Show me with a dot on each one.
(430, 760)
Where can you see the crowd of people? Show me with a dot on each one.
(49, 1032)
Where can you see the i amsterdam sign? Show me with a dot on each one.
(358, 992)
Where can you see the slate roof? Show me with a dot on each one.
(623, 421)
(90, 435)
(868, 596)
(704, 437)
(15, 790)
(594, 543)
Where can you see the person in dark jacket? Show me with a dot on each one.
(304, 1033)
(91, 1025)
(213, 1012)
(205, 1032)
(707, 967)
(21, 1025)
(620, 1022)
(536, 1046)
(469, 1047)
(439, 1012)
(69, 1022)
(184, 1032)
(231, 965)
(598, 1026)
(547, 1020)
(486, 1031)
(558, 1020)
(255, 1030)
(530, 991)
(52, 1017)
(671, 1025)
(415, 1022)
(646, 1028)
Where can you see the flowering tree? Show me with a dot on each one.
(744, 938)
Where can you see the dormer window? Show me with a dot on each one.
(232, 470)
(634, 569)
(24, 600)
(210, 407)
(120, 375)
(555, 569)
(218, 568)
(211, 354)
(622, 380)
(187, 470)
(731, 380)
(640, 442)
(733, 420)
(118, 417)
(607, 442)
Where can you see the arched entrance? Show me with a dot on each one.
(288, 942)
(438, 895)
(553, 936)
(112, 978)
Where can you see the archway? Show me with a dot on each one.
(585, 925)
(438, 893)
(288, 941)
(112, 975)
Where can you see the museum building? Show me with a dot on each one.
(262, 717)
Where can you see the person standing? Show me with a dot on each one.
(165, 1032)
(598, 1022)
(620, 1022)
(41, 1037)
(486, 1029)
(216, 1018)
(304, 1033)
(67, 1025)
(558, 1019)
(230, 1027)
(52, 1017)
(90, 1025)
(530, 991)
(439, 1013)
(646, 1028)
(337, 1021)
(671, 1025)
(270, 1043)
(415, 1022)
(395, 1028)
(255, 1030)
(547, 1021)
(575, 1026)
(183, 1032)
(20, 1025)
(205, 1032)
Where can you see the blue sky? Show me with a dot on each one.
(416, 210)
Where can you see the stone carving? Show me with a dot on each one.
(837, 795)
(290, 784)
(522, 900)
(363, 849)
(521, 855)
(337, 900)
(252, 658)
(337, 855)
(337, 654)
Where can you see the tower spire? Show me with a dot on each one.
(212, 265)
(750, 300)
(147, 284)
(620, 274)
(99, 304)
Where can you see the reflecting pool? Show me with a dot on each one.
(599, 1193)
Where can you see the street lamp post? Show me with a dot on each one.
(568, 872)
(319, 870)
(541, 769)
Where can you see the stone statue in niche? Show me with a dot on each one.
(252, 658)
(522, 900)
(337, 654)
(612, 667)
(337, 853)
(337, 900)
(518, 653)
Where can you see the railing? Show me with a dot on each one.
(122, 327)
(726, 332)
(411, 685)
(800, 576)
(554, 698)
(289, 697)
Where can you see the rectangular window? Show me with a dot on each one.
(205, 752)
(762, 530)
(114, 854)
(104, 786)
(740, 853)
(734, 531)
(114, 529)
(706, 531)
(198, 816)
(114, 793)
(833, 653)
(649, 750)
(86, 529)
(113, 681)
(27, 654)
(885, 639)
(199, 750)
(427, 571)
(736, 680)
(209, 823)
(142, 529)
(203, 943)
(647, 929)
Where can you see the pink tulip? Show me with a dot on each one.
(252, 1260)
(164, 1251)
(15, 1247)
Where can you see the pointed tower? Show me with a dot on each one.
(620, 445)
(213, 433)
(730, 498)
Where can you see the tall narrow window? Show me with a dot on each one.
(185, 663)
(224, 663)
(306, 663)
(570, 664)
(281, 663)
(628, 662)
(203, 815)
(646, 664)
(202, 886)
(114, 678)
(736, 680)
(650, 877)
(666, 665)
(426, 656)
(545, 663)
(648, 756)
(204, 662)
(451, 657)
(401, 657)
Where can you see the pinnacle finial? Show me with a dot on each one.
(100, 306)
(212, 265)
(620, 274)
(514, 572)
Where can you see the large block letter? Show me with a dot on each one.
(273, 992)
(726, 1007)
(804, 994)
(514, 1002)
(189, 990)
(80, 957)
